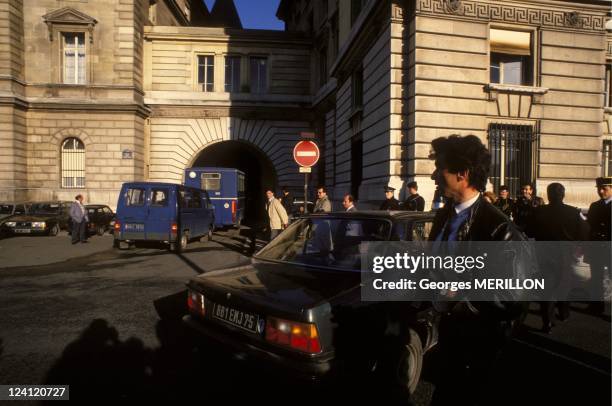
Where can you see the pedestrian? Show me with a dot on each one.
(79, 219)
(287, 200)
(557, 221)
(277, 215)
(390, 203)
(506, 204)
(472, 333)
(489, 197)
(414, 202)
(348, 202)
(599, 218)
(526, 204)
(322, 205)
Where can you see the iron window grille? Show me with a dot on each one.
(606, 158)
(73, 163)
(513, 151)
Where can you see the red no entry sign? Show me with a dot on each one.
(306, 153)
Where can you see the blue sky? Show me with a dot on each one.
(260, 14)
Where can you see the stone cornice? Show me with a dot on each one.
(259, 113)
(224, 35)
(544, 14)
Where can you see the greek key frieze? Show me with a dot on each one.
(513, 14)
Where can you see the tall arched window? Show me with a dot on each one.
(73, 163)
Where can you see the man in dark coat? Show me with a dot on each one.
(472, 334)
(599, 218)
(287, 201)
(557, 221)
(526, 204)
(390, 203)
(505, 204)
(414, 202)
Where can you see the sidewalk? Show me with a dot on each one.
(42, 250)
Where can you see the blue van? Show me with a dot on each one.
(164, 212)
(226, 189)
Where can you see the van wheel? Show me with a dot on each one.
(54, 230)
(209, 235)
(180, 245)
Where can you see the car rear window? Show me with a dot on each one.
(6, 208)
(135, 197)
(159, 197)
(211, 181)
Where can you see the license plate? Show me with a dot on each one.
(238, 318)
(23, 231)
(134, 227)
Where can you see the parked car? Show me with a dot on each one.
(46, 218)
(163, 212)
(298, 305)
(11, 209)
(101, 219)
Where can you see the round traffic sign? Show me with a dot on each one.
(306, 153)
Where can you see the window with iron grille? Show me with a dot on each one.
(206, 72)
(73, 163)
(606, 163)
(513, 151)
(74, 57)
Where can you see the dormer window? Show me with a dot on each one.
(73, 56)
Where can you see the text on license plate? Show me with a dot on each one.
(134, 227)
(237, 318)
(22, 230)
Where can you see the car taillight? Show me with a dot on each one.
(173, 228)
(299, 336)
(195, 303)
(117, 226)
(233, 211)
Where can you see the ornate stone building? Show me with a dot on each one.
(96, 93)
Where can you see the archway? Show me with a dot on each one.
(258, 169)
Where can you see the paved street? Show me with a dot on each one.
(106, 321)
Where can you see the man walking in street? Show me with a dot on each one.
(390, 203)
(504, 203)
(472, 333)
(322, 205)
(348, 203)
(599, 218)
(414, 202)
(277, 215)
(287, 200)
(557, 221)
(79, 219)
(525, 205)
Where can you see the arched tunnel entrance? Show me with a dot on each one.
(258, 169)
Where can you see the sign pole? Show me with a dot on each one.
(306, 193)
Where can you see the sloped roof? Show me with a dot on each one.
(224, 14)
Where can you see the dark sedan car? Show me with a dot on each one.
(101, 219)
(11, 209)
(46, 218)
(297, 302)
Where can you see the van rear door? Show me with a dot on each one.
(161, 213)
(132, 211)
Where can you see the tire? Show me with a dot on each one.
(53, 231)
(100, 230)
(180, 245)
(209, 235)
(409, 363)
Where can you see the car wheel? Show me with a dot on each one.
(53, 231)
(409, 363)
(100, 231)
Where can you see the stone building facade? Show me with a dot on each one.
(96, 93)
(527, 77)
